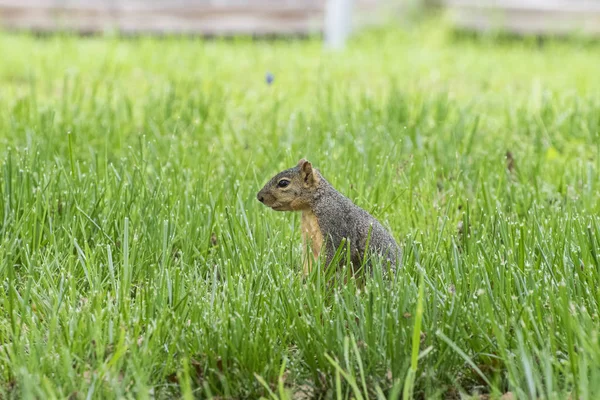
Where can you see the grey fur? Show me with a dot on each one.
(340, 218)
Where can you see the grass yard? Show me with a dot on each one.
(136, 261)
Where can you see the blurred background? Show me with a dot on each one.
(335, 19)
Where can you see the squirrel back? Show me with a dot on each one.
(328, 217)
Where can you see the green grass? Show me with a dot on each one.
(136, 261)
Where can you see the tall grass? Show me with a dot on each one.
(136, 261)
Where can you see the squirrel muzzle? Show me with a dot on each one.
(271, 201)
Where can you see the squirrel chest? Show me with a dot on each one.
(311, 237)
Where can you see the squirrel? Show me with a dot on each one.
(328, 218)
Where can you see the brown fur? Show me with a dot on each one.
(311, 238)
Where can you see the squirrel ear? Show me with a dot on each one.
(307, 173)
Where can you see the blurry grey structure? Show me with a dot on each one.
(539, 17)
(206, 17)
(338, 22)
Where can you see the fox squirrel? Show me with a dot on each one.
(328, 217)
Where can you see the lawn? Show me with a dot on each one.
(136, 261)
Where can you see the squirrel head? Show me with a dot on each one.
(292, 189)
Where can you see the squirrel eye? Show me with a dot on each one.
(283, 183)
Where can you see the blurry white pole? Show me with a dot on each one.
(338, 18)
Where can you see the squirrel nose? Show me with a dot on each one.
(260, 198)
